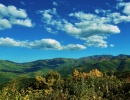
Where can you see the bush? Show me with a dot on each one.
(79, 86)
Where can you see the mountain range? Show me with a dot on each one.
(65, 66)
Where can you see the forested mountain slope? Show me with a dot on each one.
(64, 66)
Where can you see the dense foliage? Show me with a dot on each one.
(69, 79)
(77, 86)
(65, 66)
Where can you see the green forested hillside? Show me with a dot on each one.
(69, 79)
(64, 66)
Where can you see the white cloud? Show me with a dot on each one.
(12, 11)
(102, 11)
(87, 27)
(26, 22)
(48, 29)
(74, 47)
(70, 29)
(89, 24)
(121, 19)
(96, 41)
(48, 15)
(126, 7)
(119, 5)
(89, 18)
(11, 16)
(43, 44)
(17, 13)
(52, 11)
(93, 29)
(83, 16)
(111, 45)
(4, 23)
(51, 18)
(117, 18)
(10, 42)
(55, 4)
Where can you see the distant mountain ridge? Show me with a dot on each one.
(62, 62)
(65, 65)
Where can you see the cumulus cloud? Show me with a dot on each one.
(96, 41)
(74, 47)
(83, 16)
(118, 18)
(71, 29)
(93, 29)
(51, 18)
(4, 23)
(11, 42)
(43, 44)
(102, 11)
(25, 22)
(89, 27)
(55, 4)
(48, 16)
(49, 12)
(12, 11)
(48, 29)
(13, 16)
(37, 44)
(126, 7)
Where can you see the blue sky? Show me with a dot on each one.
(45, 29)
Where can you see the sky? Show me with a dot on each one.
(44, 29)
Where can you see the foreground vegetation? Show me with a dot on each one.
(77, 86)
